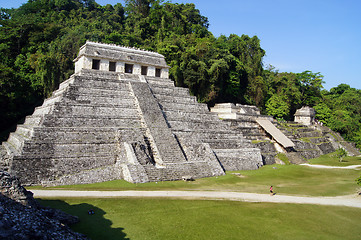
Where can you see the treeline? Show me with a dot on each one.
(39, 40)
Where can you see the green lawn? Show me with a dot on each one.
(134, 218)
(159, 218)
(286, 179)
(330, 160)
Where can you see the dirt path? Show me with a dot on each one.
(349, 201)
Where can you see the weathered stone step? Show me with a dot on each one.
(67, 149)
(170, 91)
(188, 125)
(128, 109)
(53, 167)
(63, 87)
(42, 110)
(90, 73)
(4, 158)
(16, 140)
(210, 134)
(67, 82)
(2, 151)
(301, 145)
(243, 124)
(77, 98)
(239, 159)
(265, 146)
(310, 153)
(309, 134)
(74, 90)
(100, 83)
(33, 120)
(173, 106)
(87, 134)
(327, 147)
(10, 149)
(92, 121)
(24, 130)
(59, 92)
(177, 99)
(95, 101)
(225, 143)
(52, 100)
(114, 78)
(249, 130)
(256, 137)
(317, 140)
(189, 116)
(154, 81)
(102, 173)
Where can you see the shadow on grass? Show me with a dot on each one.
(94, 226)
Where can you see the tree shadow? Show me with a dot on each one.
(94, 226)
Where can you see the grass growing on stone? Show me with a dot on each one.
(286, 179)
(135, 218)
(283, 157)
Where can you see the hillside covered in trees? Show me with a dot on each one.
(39, 40)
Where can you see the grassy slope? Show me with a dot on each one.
(330, 160)
(132, 218)
(287, 179)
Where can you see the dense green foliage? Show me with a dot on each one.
(39, 40)
(340, 109)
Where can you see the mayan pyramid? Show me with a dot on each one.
(119, 116)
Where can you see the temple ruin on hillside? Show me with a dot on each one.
(120, 117)
(298, 140)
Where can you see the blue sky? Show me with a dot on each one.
(317, 35)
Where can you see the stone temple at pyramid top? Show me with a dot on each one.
(113, 58)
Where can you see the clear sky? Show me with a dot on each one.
(317, 35)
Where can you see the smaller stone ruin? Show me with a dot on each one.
(243, 118)
(298, 140)
(305, 116)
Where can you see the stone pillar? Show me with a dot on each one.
(104, 65)
(164, 73)
(79, 65)
(151, 71)
(120, 67)
(87, 63)
(137, 69)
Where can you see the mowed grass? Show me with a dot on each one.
(135, 218)
(161, 218)
(331, 160)
(286, 179)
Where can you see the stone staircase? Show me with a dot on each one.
(192, 121)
